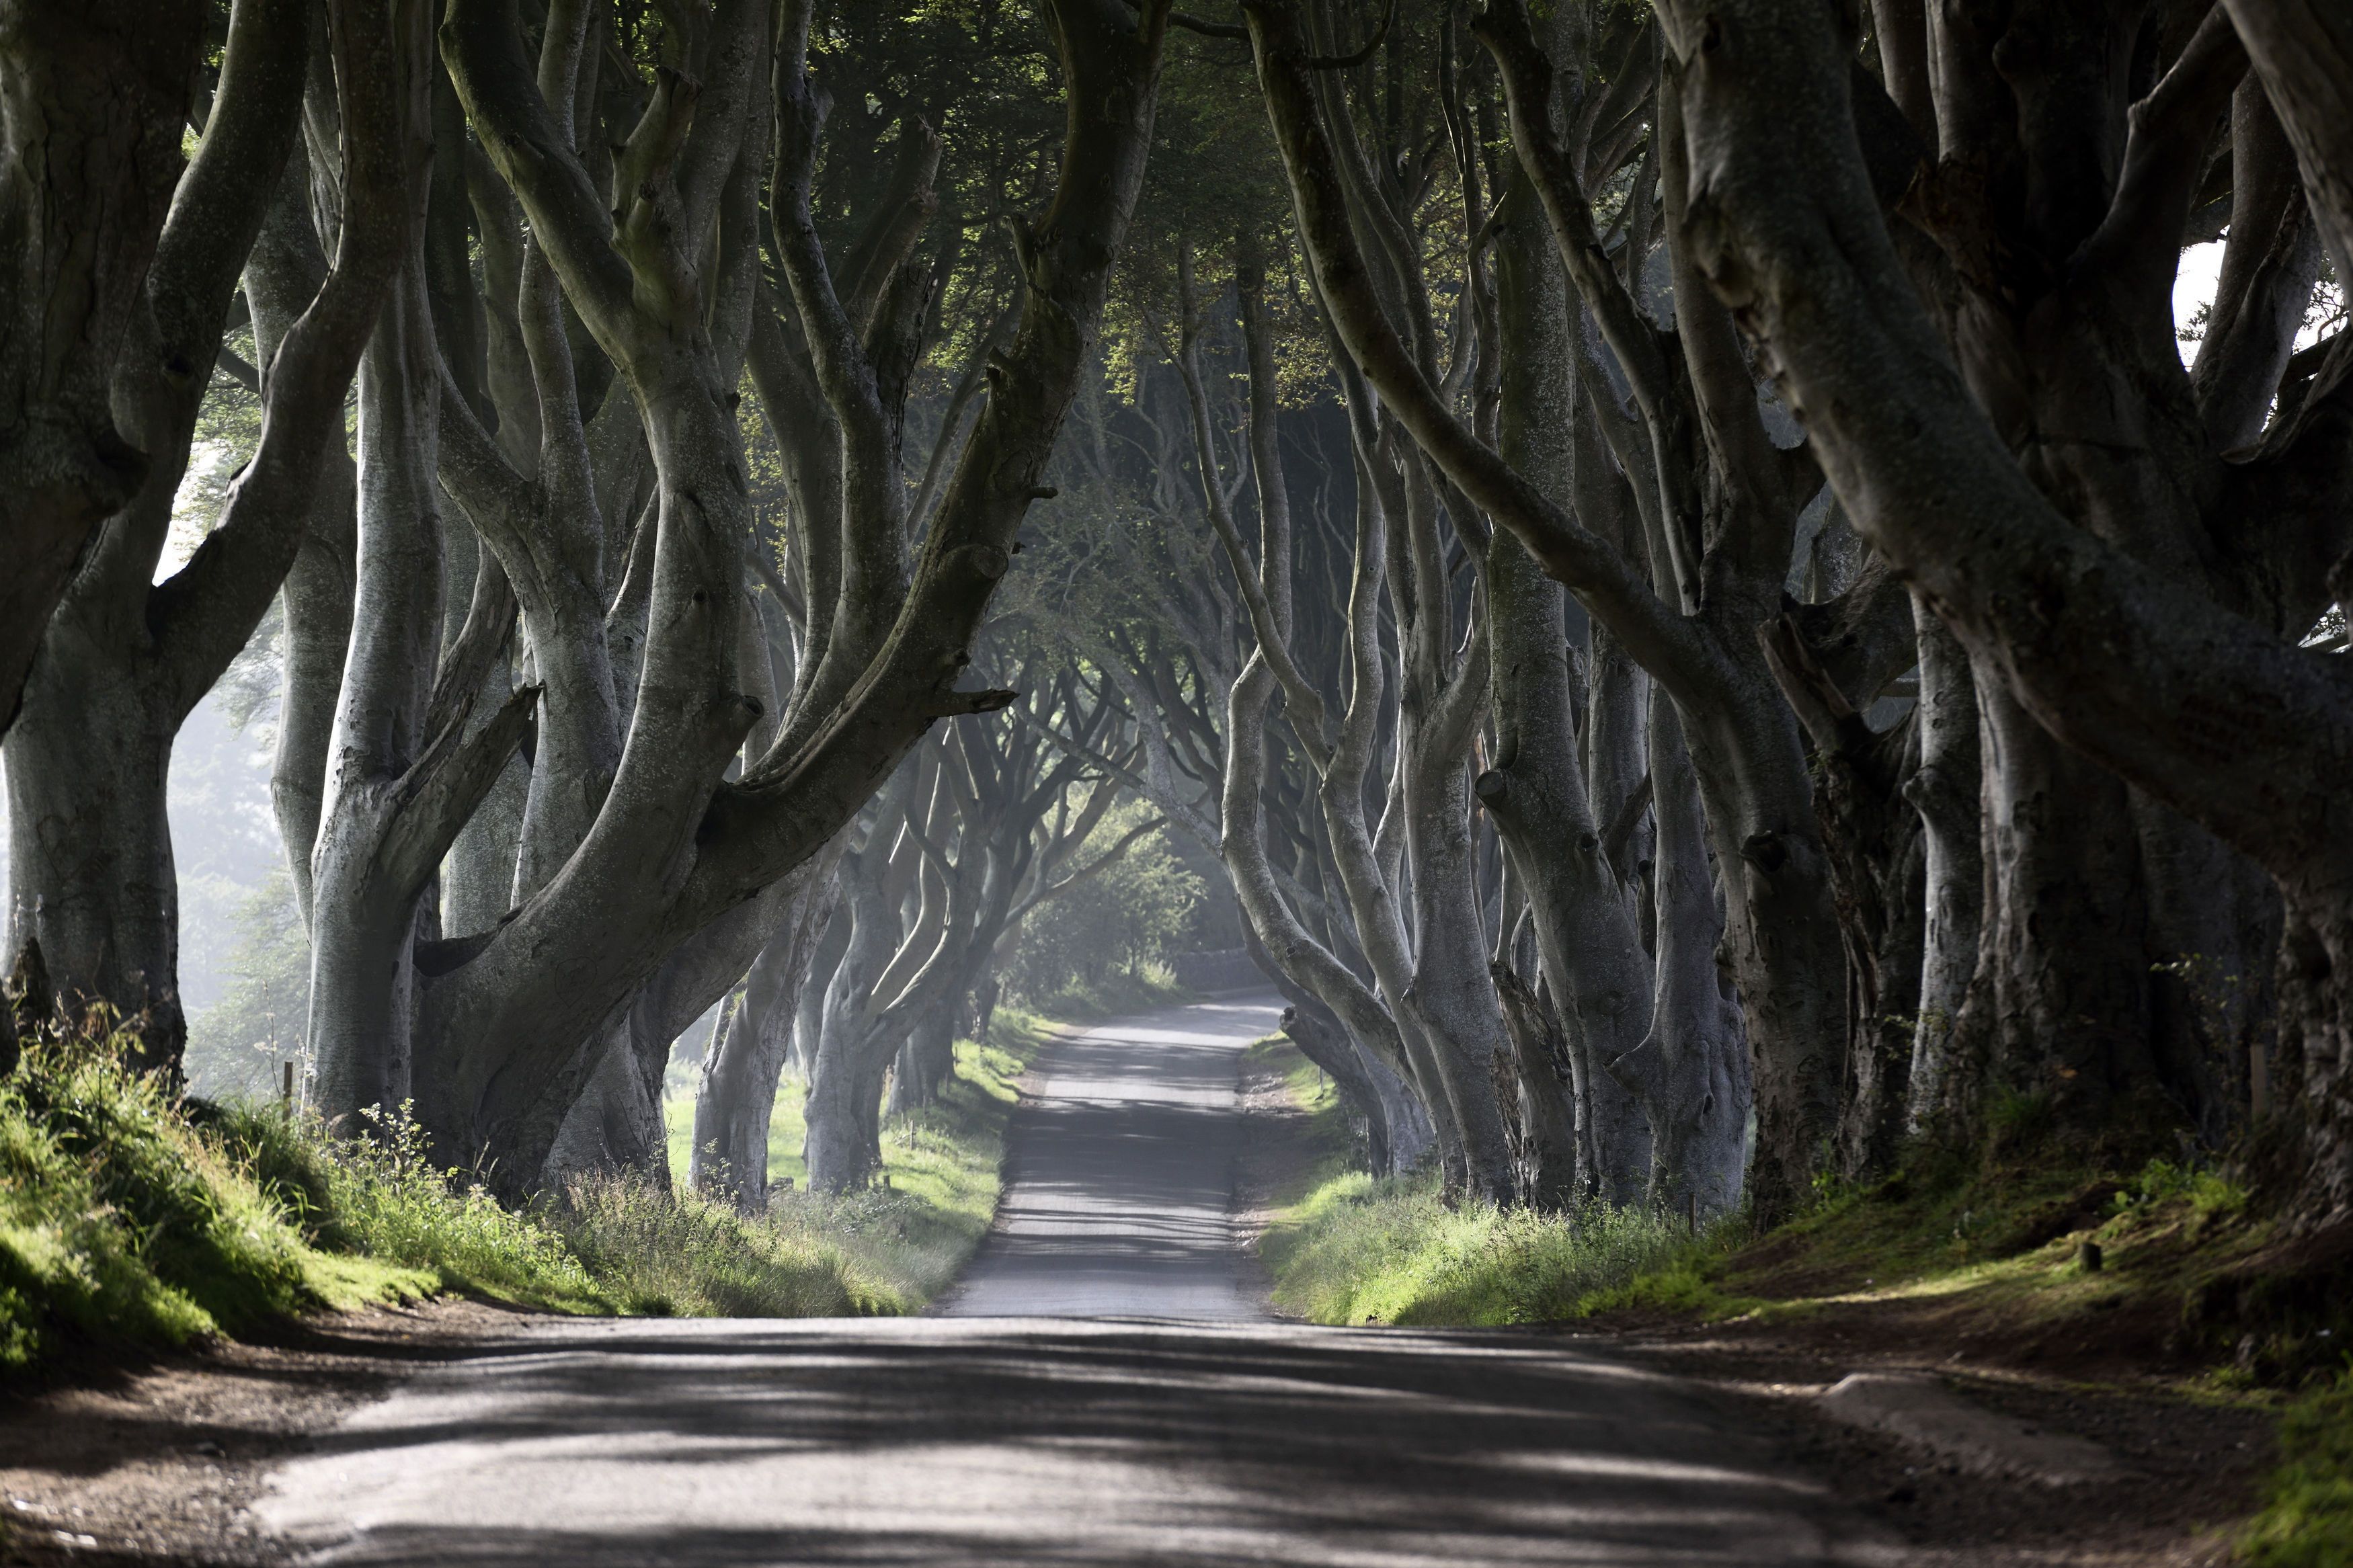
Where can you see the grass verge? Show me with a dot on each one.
(2160, 1273)
(901, 1243)
(133, 1220)
(1350, 1248)
(2306, 1519)
(2036, 1261)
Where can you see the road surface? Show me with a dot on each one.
(1122, 1198)
(1168, 1426)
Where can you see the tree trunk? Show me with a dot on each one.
(1452, 995)
(1537, 1093)
(925, 1062)
(2055, 1028)
(737, 1096)
(2130, 661)
(89, 861)
(126, 657)
(1877, 869)
(1693, 1069)
(93, 107)
(365, 922)
(1945, 789)
(1589, 939)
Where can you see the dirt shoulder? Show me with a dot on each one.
(159, 1463)
(2191, 1465)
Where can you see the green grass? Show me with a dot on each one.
(1358, 1250)
(655, 1253)
(2306, 1519)
(124, 1225)
(383, 1199)
(93, 1245)
(1991, 1252)
(133, 1220)
(1349, 1248)
(1988, 1254)
(899, 1245)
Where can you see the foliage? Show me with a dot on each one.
(1130, 914)
(235, 1046)
(2308, 1516)
(225, 843)
(228, 428)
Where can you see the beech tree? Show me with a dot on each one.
(93, 100)
(125, 658)
(634, 845)
(1669, 558)
(2143, 602)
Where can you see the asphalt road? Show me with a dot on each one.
(1168, 1424)
(1123, 1166)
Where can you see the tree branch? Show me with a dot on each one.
(1588, 567)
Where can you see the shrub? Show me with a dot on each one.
(1132, 914)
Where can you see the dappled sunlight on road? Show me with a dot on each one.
(1121, 1177)
(1030, 1440)
(1105, 1391)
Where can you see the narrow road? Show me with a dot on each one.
(1100, 1392)
(1122, 1198)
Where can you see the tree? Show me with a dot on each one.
(2182, 675)
(126, 658)
(93, 100)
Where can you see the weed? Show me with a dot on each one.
(382, 1196)
(2206, 1191)
(2020, 1119)
(662, 1256)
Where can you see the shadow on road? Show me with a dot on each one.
(1100, 1394)
(1022, 1441)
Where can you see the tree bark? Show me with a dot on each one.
(1587, 936)
(94, 99)
(2216, 715)
(736, 1097)
(125, 660)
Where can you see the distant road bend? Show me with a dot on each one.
(1103, 1388)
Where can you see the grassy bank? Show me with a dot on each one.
(1348, 1248)
(132, 1220)
(124, 1224)
(905, 1241)
(2157, 1274)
